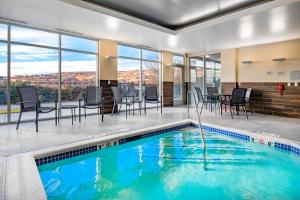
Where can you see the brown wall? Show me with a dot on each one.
(266, 98)
(168, 94)
(263, 75)
(107, 94)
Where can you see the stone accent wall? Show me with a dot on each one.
(107, 94)
(168, 94)
(266, 98)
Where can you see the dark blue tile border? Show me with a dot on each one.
(86, 150)
(228, 133)
(65, 155)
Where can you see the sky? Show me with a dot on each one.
(28, 60)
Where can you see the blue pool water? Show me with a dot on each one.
(174, 166)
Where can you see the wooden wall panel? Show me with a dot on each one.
(168, 94)
(267, 99)
(107, 94)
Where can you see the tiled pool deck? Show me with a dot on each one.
(24, 140)
(14, 142)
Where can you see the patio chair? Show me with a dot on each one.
(211, 91)
(93, 99)
(120, 100)
(248, 98)
(29, 102)
(131, 91)
(202, 99)
(237, 100)
(151, 96)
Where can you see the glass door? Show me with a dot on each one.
(178, 86)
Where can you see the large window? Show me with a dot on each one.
(205, 74)
(213, 73)
(36, 67)
(78, 72)
(3, 83)
(139, 67)
(197, 73)
(37, 59)
(30, 36)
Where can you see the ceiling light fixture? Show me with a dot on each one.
(278, 20)
(246, 27)
(172, 40)
(112, 23)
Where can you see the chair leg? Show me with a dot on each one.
(140, 108)
(79, 113)
(145, 108)
(20, 115)
(230, 108)
(113, 109)
(251, 108)
(37, 120)
(244, 107)
(72, 115)
(102, 111)
(161, 108)
(84, 112)
(133, 108)
(55, 116)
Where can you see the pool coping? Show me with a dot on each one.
(23, 179)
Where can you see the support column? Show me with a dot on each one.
(108, 71)
(167, 78)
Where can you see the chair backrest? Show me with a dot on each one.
(199, 94)
(238, 96)
(151, 93)
(131, 91)
(211, 90)
(28, 96)
(3, 99)
(93, 94)
(116, 94)
(248, 94)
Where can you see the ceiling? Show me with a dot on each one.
(176, 14)
(273, 21)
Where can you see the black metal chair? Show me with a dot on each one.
(151, 96)
(120, 100)
(93, 99)
(131, 91)
(237, 100)
(202, 99)
(211, 92)
(29, 102)
(248, 98)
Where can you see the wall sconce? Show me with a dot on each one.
(247, 61)
(110, 57)
(279, 59)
